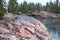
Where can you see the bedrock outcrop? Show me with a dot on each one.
(22, 27)
(46, 15)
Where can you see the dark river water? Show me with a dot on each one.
(53, 26)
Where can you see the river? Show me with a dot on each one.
(53, 26)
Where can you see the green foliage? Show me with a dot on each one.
(38, 7)
(29, 7)
(1, 4)
(1, 13)
(52, 7)
(13, 6)
(24, 10)
(23, 7)
(2, 9)
(59, 8)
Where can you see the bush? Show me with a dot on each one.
(1, 13)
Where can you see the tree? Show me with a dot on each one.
(20, 7)
(38, 7)
(1, 5)
(52, 7)
(13, 6)
(1, 8)
(57, 6)
(24, 7)
(4, 5)
(45, 7)
(57, 2)
(31, 7)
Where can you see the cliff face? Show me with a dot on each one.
(22, 28)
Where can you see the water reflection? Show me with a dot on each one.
(53, 26)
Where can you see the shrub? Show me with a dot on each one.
(1, 13)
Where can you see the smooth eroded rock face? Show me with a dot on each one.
(22, 28)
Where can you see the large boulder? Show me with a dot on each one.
(22, 28)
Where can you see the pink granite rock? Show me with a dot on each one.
(3, 30)
(23, 28)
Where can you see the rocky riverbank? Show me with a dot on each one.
(46, 15)
(22, 27)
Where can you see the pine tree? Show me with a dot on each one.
(31, 7)
(1, 8)
(13, 6)
(57, 6)
(52, 7)
(38, 7)
(1, 5)
(24, 7)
